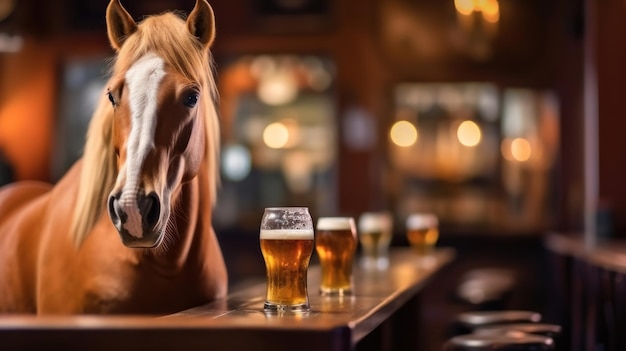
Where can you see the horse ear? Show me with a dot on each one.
(120, 24)
(201, 22)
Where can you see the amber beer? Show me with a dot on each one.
(335, 244)
(422, 232)
(375, 232)
(287, 253)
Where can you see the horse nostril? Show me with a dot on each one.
(150, 210)
(115, 211)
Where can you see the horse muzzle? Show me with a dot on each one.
(136, 218)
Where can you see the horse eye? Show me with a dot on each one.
(111, 98)
(191, 99)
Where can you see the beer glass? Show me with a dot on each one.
(422, 230)
(286, 238)
(335, 244)
(375, 232)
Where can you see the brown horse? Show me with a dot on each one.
(150, 161)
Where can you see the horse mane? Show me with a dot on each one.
(167, 36)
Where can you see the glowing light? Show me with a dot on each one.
(276, 135)
(464, 7)
(293, 132)
(505, 149)
(479, 4)
(403, 134)
(469, 133)
(491, 11)
(521, 149)
(236, 162)
(278, 88)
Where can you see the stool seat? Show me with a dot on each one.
(477, 319)
(512, 341)
(486, 287)
(544, 329)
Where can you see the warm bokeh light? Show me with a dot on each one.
(276, 135)
(464, 7)
(520, 149)
(491, 11)
(278, 88)
(505, 149)
(403, 133)
(27, 128)
(469, 133)
(293, 132)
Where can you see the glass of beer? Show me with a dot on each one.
(422, 232)
(335, 244)
(286, 238)
(375, 231)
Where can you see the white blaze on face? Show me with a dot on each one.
(142, 81)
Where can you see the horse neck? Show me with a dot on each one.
(191, 216)
(195, 254)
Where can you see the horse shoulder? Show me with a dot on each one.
(22, 204)
(58, 278)
(107, 268)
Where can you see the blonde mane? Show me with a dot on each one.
(167, 36)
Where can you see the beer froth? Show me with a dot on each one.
(286, 234)
(422, 221)
(335, 223)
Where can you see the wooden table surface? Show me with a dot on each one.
(238, 322)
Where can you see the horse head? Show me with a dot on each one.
(160, 93)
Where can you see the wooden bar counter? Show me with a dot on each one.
(607, 253)
(238, 322)
(588, 288)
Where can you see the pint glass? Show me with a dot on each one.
(422, 230)
(375, 231)
(286, 238)
(335, 243)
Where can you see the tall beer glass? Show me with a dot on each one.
(335, 243)
(286, 238)
(375, 231)
(422, 232)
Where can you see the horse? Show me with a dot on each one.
(128, 228)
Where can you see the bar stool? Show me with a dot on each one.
(487, 288)
(467, 322)
(552, 331)
(511, 341)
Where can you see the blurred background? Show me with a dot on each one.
(503, 117)
(462, 108)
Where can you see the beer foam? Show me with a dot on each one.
(335, 223)
(422, 220)
(370, 221)
(286, 234)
